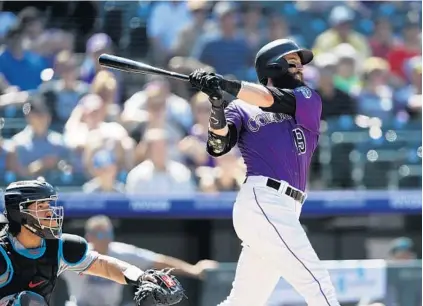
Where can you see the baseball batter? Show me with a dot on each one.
(276, 126)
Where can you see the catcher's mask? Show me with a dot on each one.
(270, 62)
(44, 218)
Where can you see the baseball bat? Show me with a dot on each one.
(125, 64)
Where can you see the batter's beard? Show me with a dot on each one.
(288, 80)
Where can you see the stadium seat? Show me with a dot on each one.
(366, 26)
(10, 112)
(379, 159)
(340, 166)
(344, 130)
(289, 9)
(12, 126)
(413, 154)
(78, 179)
(342, 135)
(408, 133)
(144, 10)
(343, 123)
(379, 169)
(386, 10)
(410, 176)
(318, 26)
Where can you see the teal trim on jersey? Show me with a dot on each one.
(17, 302)
(61, 257)
(37, 300)
(9, 268)
(29, 253)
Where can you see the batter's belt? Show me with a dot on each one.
(282, 187)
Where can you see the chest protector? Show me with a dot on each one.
(32, 274)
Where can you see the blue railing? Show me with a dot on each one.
(318, 203)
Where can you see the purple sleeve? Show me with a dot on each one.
(233, 116)
(308, 108)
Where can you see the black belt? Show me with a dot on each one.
(290, 192)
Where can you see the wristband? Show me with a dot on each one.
(217, 118)
(231, 86)
(133, 275)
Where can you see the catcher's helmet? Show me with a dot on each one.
(270, 55)
(20, 195)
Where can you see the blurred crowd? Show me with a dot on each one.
(77, 124)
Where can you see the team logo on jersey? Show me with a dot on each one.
(262, 119)
(300, 140)
(33, 285)
(305, 91)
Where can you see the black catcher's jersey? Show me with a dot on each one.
(37, 273)
(31, 274)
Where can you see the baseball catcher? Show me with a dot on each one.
(34, 252)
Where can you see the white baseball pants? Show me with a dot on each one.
(274, 245)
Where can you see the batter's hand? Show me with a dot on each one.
(206, 83)
(196, 77)
(213, 79)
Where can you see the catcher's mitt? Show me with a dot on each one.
(167, 290)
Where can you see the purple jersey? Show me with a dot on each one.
(278, 145)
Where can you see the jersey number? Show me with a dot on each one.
(300, 141)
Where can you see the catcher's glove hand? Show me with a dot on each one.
(166, 291)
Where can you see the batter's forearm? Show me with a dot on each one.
(254, 94)
(114, 269)
(217, 120)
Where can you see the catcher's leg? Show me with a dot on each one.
(254, 281)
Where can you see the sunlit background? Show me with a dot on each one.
(133, 147)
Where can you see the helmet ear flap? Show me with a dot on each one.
(276, 68)
(13, 214)
(280, 61)
(12, 198)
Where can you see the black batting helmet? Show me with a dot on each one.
(17, 199)
(269, 57)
